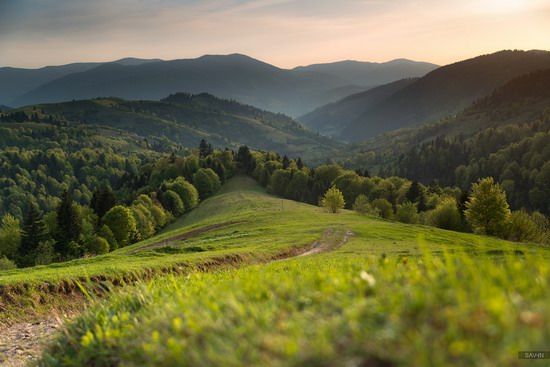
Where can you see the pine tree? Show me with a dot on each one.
(34, 232)
(69, 226)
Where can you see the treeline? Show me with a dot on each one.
(518, 157)
(397, 198)
(160, 191)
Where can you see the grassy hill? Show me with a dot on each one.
(375, 286)
(186, 119)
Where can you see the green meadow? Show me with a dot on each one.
(225, 285)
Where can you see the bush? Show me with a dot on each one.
(206, 182)
(407, 213)
(333, 200)
(363, 206)
(522, 228)
(106, 233)
(97, 245)
(186, 191)
(173, 203)
(122, 223)
(6, 264)
(446, 215)
(384, 206)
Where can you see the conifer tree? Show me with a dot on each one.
(34, 232)
(69, 226)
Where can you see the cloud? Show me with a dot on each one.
(284, 32)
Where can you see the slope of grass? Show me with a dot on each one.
(394, 294)
(343, 308)
(240, 225)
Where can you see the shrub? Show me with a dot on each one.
(6, 264)
(522, 228)
(407, 213)
(446, 215)
(206, 182)
(363, 206)
(333, 200)
(384, 206)
(186, 191)
(173, 203)
(106, 233)
(97, 245)
(122, 223)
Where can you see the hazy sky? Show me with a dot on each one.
(282, 32)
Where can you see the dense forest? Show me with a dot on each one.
(69, 192)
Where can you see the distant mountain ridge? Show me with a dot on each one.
(17, 81)
(234, 76)
(442, 92)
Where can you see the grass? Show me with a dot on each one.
(394, 294)
(325, 310)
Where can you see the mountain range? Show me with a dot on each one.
(294, 92)
(440, 93)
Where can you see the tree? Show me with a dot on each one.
(384, 206)
(205, 149)
(333, 200)
(186, 191)
(363, 206)
(486, 208)
(407, 213)
(446, 215)
(280, 179)
(10, 236)
(122, 223)
(69, 226)
(206, 182)
(34, 233)
(173, 203)
(103, 199)
(244, 159)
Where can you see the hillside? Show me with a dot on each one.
(340, 286)
(333, 118)
(234, 76)
(186, 119)
(442, 92)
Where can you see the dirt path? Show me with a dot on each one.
(23, 343)
(331, 240)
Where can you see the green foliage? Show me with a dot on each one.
(280, 179)
(487, 209)
(206, 181)
(105, 232)
(446, 215)
(10, 236)
(384, 207)
(522, 228)
(34, 233)
(363, 206)
(103, 199)
(298, 187)
(6, 264)
(187, 192)
(69, 227)
(122, 223)
(333, 200)
(407, 213)
(97, 245)
(172, 202)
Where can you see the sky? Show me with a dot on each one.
(35, 33)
